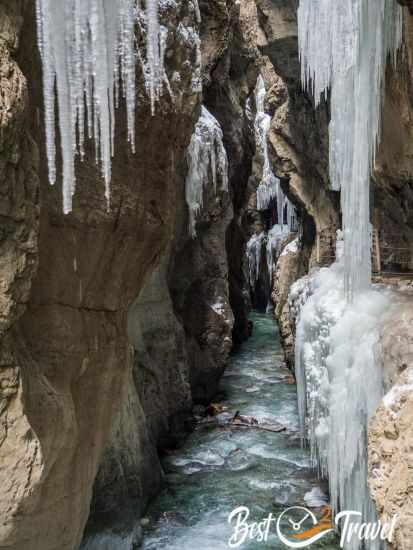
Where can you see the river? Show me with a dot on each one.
(220, 468)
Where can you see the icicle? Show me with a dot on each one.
(277, 236)
(254, 251)
(86, 45)
(207, 159)
(344, 46)
(269, 188)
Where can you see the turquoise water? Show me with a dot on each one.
(219, 469)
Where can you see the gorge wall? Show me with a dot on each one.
(68, 282)
(193, 307)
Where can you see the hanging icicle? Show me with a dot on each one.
(344, 47)
(207, 159)
(269, 188)
(254, 254)
(87, 47)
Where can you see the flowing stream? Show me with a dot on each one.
(219, 469)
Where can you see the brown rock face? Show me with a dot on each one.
(290, 267)
(198, 281)
(180, 328)
(298, 146)
(391, 429)
(407, 3)
(393, 172)
(229, 76)
(67, 359)
(298, 135)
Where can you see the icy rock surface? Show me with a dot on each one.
(344, 48)
(276, 238)
(339, 383)
(89, 56)
(254, 253)
(207, 161)
(269, 188)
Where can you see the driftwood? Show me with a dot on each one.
(236, 423)
(262, 427)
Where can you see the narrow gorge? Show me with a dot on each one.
(206, 274)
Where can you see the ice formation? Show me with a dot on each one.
(276, 238)
(89, 54)
(271, 243)
(207, 159)
(268, 190)
(344, 48)
(270, 187)
(254, 254)
(339, 382)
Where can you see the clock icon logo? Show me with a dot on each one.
(304, 531)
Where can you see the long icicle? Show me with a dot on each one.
(344, 47)
(83, 43)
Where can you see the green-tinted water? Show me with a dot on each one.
(218, 469)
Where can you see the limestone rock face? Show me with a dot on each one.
(198, 282)
(298, 146)
(180, 328)
(393, 172)
(298, 134)
(156, 397)
(289, 268)
(66, 357)
(391, 429)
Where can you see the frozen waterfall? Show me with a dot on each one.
(344, 48)
(207, 160)
(89, 55)
(339, 383)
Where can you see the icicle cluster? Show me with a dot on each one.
(207, 160)
(254, 254)
(344, 47)
(276, 238)
(269, 188)
(87, 49)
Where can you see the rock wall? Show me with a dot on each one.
(391, 429)
(229, 75)
(181, 331)
(390, 436)
(298, 145)
(68, 282)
